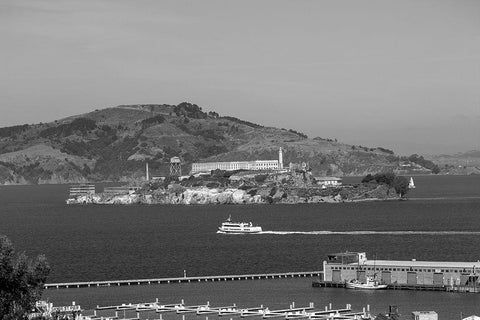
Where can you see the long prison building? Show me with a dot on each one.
(239, 165)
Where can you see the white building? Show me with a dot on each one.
(424, 315)
(329, 181)
(239, 165)
(235, 165)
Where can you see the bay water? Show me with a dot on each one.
(440, 221)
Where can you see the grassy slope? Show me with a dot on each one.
(114, 143)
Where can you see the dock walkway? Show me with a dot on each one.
(135, 311)
(109, 283)
(418, 287)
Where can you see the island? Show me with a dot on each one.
(248, 187)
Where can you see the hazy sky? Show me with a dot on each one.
(400, 74)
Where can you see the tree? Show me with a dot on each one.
(401, 185)
(21, 281)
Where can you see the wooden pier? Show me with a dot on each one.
(109, 283)
(135, 310)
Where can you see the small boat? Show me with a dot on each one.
(369, 284)
(238, 227)
(411, 184)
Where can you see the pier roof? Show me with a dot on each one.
(427, 264)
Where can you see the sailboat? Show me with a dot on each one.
(411, 184)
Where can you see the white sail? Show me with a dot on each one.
(411, 184)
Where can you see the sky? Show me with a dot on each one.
(404, 75)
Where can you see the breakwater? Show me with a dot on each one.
(185, 279)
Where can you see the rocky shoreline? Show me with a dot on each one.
(203, 195)
(246, 187)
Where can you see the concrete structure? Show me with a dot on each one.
(235, 165)
(81, 190)
(424, 315)
(239, 165)
(303, 166)
(346, 266)
(329, 181)
(280, 158)
(120, 190)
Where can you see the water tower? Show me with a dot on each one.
(175, 166)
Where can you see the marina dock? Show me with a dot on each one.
(136, 310)
(109, 283)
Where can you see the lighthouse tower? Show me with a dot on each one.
(280, 159)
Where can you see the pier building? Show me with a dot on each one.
(328, 181)
(346, 266)
(424, 315)
(81, 189)
(240, 165)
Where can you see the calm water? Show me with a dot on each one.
(123, 242)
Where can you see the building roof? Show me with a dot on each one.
(328, 178)
(472, 318)
(346, 254)
(417, 313)
(415, 264)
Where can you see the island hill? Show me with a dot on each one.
(114, 144)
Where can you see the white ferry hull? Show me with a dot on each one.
(251, 230)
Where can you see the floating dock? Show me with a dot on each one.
(109, 283)
(292, 312)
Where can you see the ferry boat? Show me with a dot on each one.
(238, 227)
(369, 284)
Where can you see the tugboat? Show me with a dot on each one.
(369, 284)
(238, 227)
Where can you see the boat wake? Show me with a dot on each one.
(367, 232)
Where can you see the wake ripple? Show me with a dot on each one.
(366, 232)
